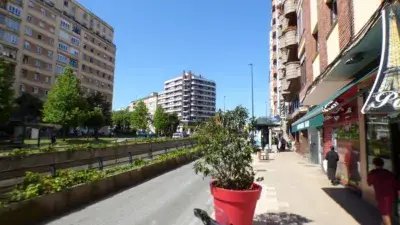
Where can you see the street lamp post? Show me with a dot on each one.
(224, 102)
(252, 103)
(252, 91)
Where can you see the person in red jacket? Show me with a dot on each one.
(386, 188)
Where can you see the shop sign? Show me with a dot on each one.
(384, 96)
(346, 112)
(303, 125)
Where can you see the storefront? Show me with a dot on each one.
(341, 131)
(381, 106)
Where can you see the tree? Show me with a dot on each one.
(172, 124)
(121, 120)
(65, 104)
(140, 116)
(160, 120)
(97, 100)
(28, 107)
(95, 120)
(226, 153)
(6, 90)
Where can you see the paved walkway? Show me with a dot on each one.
(296, 192)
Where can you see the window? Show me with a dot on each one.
(31, 4)
(64, 24)
(66, 3)
(22, 87)
(75, 40)
(300, 24)
(73, 63)
(27, 45)
(35, 90)
(63, 46)
(91, 59)
(76, 29)
(64, 35)
(28, 31)
(39, 49)
(10, 38)
(36, 76)
(84, 16)
(303, 75)
(51, 41)
(12, 24)
(37, 63)
(47, 79)
(46, 92)
(14, 9)
(41, 24)
(61, 58)
(334, 10)
(52, 30)
(59, 69)
(40, 37)
(29, 18)
(83, 67)
(315, 36)
(49, 67)
(50, 54)
(74, 52)
(43, 12)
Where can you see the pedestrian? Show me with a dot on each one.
(386, 188)
(332, 157)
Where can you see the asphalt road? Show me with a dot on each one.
(165, 200)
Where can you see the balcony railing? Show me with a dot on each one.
(291, 36)
(283, 21)
(290, 7)
(282, 42)
(292, 70)
(285, 85)
(283, 55)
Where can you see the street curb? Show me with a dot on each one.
(46, 207)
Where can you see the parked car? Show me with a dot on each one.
(177, 135)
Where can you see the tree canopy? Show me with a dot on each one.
(160, 120)
(65, 105)
(140, 116)
(28, 107)
(6, 90)
(97, 100)
(121, 120)
(95, 119)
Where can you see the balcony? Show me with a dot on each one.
(289, 7)
(8, 53)
(290, 36)
(285, 85)
(282, 42)
(274, 84)
(282, 72)
(283, 56)
(273, 55)
(293, 70)
(283, 21)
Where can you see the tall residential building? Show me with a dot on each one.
(286, 62)
(41, 37)
(150, 101)
(192, 97)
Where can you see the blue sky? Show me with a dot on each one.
(157, 39)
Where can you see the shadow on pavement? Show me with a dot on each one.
(361, 211)
(281, 218)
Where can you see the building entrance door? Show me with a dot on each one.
(314, 146)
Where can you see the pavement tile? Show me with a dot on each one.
(296, 192)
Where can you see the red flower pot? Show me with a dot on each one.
(237, 206)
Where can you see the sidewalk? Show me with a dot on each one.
(296, 192)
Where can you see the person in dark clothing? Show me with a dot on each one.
(332, 157)
(386, 188)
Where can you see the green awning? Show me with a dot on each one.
(314, 117)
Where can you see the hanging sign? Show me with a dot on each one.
(385, 94)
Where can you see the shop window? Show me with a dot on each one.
(378, 140)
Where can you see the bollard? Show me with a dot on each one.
(130, 157)
(100, 161)
(53, 170)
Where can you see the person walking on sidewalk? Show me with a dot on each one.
(332, 157)
(386, 188)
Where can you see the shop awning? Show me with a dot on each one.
(315, 118)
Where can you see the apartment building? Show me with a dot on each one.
(41, 37)
(275, 85)
(150, 101)
(348, 53)
(191, 96)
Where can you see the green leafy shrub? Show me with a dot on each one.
(35, 184)
(222, 141)
(19, 152)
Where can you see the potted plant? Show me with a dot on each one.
(223, 143)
